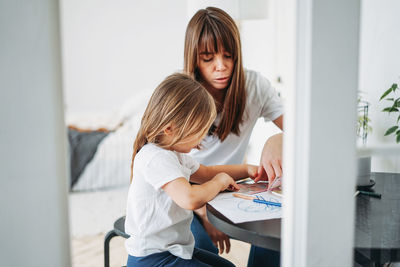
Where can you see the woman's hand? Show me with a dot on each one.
(271, 160)
(220, 240)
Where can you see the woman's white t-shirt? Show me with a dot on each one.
(153, 220)
(262, 101)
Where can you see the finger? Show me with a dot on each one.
(270, 172)
(260, 174)
(221, 246)
(277, 184)
(253, 172)
(235, 186)
(270, 182)
(227, 244)
(231, 188)
(277, 168)
(271, 176)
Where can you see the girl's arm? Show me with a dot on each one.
(192, 197)
(205, 173)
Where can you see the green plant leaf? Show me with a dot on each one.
(398, 138)
(386, 109)
(391, 130)
(386, 93)
(390, 99)
(393, 109)
(397, 132)
(394, 87)
(398, 118)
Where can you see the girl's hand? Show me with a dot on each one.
(226, 182)
(252, 171)
(220, 240)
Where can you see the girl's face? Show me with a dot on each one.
(215, 69)
(186, 145)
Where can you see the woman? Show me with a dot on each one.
(213, 57)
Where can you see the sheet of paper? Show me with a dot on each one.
(240, 210)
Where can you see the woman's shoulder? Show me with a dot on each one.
(256, 84)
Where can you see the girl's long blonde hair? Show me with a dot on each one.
(179, 101)
(212, 30)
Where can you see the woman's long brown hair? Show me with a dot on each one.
(181, 102)
(213, 30)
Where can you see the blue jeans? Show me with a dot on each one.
(201, 258)
(263, 257)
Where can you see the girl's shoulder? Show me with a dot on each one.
(150, 152)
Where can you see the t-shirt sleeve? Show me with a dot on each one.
(191, 163)
(163, 168)
(271, 104)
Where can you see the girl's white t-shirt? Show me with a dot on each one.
(262, 101)
(153, 220)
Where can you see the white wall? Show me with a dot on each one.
(113, 50)
(379, 68)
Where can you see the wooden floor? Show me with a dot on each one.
(88, 252)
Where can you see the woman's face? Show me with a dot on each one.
(215, 69)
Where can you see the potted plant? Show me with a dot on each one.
(363, 121)
(390, 95)
(363, 129)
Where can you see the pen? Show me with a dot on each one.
(258, 200)
(371, 194)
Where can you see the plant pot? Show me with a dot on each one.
(364, 171)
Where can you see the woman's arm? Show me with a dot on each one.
(240, 171)
(271, 156)
(192, 197)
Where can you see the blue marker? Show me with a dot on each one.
(277, 204)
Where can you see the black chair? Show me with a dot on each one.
(119, 230)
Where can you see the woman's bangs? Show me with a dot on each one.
(215, 39)
(207, 41)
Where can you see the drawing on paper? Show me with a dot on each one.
(251, 207)
(228, 201)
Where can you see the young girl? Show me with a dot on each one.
(161, 199)
(213, 57)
